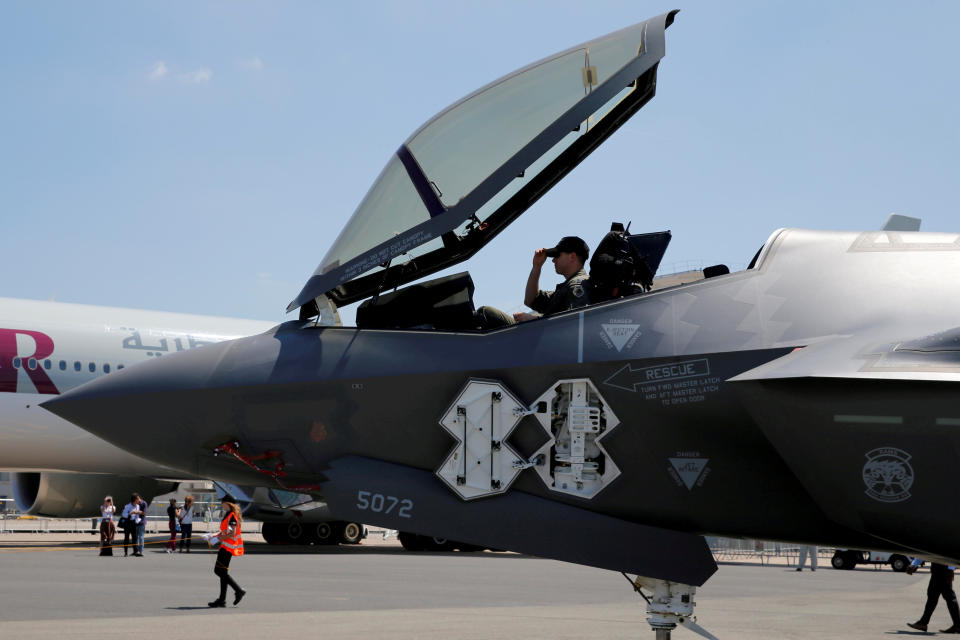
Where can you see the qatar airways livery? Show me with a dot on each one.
(47, 348)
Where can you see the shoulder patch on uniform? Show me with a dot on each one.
(577, 290)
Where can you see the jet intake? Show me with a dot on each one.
(78, 495)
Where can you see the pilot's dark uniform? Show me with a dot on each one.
(571, 294)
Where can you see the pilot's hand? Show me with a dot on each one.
(539, 257)
(523, 317)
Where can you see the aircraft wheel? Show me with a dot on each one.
(433, 543)
(843, 560)
(295, 533)
(323, 533)
(410, 541)
(899, 563)
(352, 533)
(272, 532)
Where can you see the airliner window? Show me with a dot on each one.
(47, 364)
(76, 366)
(106, 368)
(16, 363)
(63, 365)
(93, 368)
(32, 364)
(119, 366)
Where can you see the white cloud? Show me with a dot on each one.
(158, 71)
(252, 64)
(198, 76)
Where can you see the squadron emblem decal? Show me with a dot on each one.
(888, 474)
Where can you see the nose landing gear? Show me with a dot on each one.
(670, 604)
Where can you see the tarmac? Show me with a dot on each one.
(56, 585)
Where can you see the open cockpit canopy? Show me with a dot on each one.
(471, 170)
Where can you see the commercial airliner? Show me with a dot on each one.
(47, 348)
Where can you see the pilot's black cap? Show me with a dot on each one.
(571, 244)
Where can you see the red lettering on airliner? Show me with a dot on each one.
(8, 351)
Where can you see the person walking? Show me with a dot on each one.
(173, 522)
(941, 584)
(231, 544)
(804, 550)
(108, 530)
(186, 523)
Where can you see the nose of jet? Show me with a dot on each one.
(173, 409)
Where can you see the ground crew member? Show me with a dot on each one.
(231, 544)
(941, 584)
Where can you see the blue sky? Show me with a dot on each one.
(202, 157)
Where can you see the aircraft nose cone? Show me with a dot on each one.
(172, 410)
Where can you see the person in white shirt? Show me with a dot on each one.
(186, 523)
(129, 519)
(107, 529)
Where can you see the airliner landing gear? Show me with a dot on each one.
(670, 604)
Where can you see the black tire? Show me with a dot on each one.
(273, 532)
(843, 560)
(295, 533)
(351, 532)
(899, 563)
(410, 541)
(323, 533)
(433, 543)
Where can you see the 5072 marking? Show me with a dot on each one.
(379, 503)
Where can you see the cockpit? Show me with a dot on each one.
(622, 265)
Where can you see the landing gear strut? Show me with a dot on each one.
(670, 604)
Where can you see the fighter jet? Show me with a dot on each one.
(807, 398)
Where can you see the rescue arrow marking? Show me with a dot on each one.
(628, 379)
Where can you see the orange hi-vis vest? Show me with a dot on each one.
(234, 543)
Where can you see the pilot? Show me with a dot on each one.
(569, 257)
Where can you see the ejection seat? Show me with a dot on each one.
(624, 264)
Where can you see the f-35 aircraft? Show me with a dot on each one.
(808, 398)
